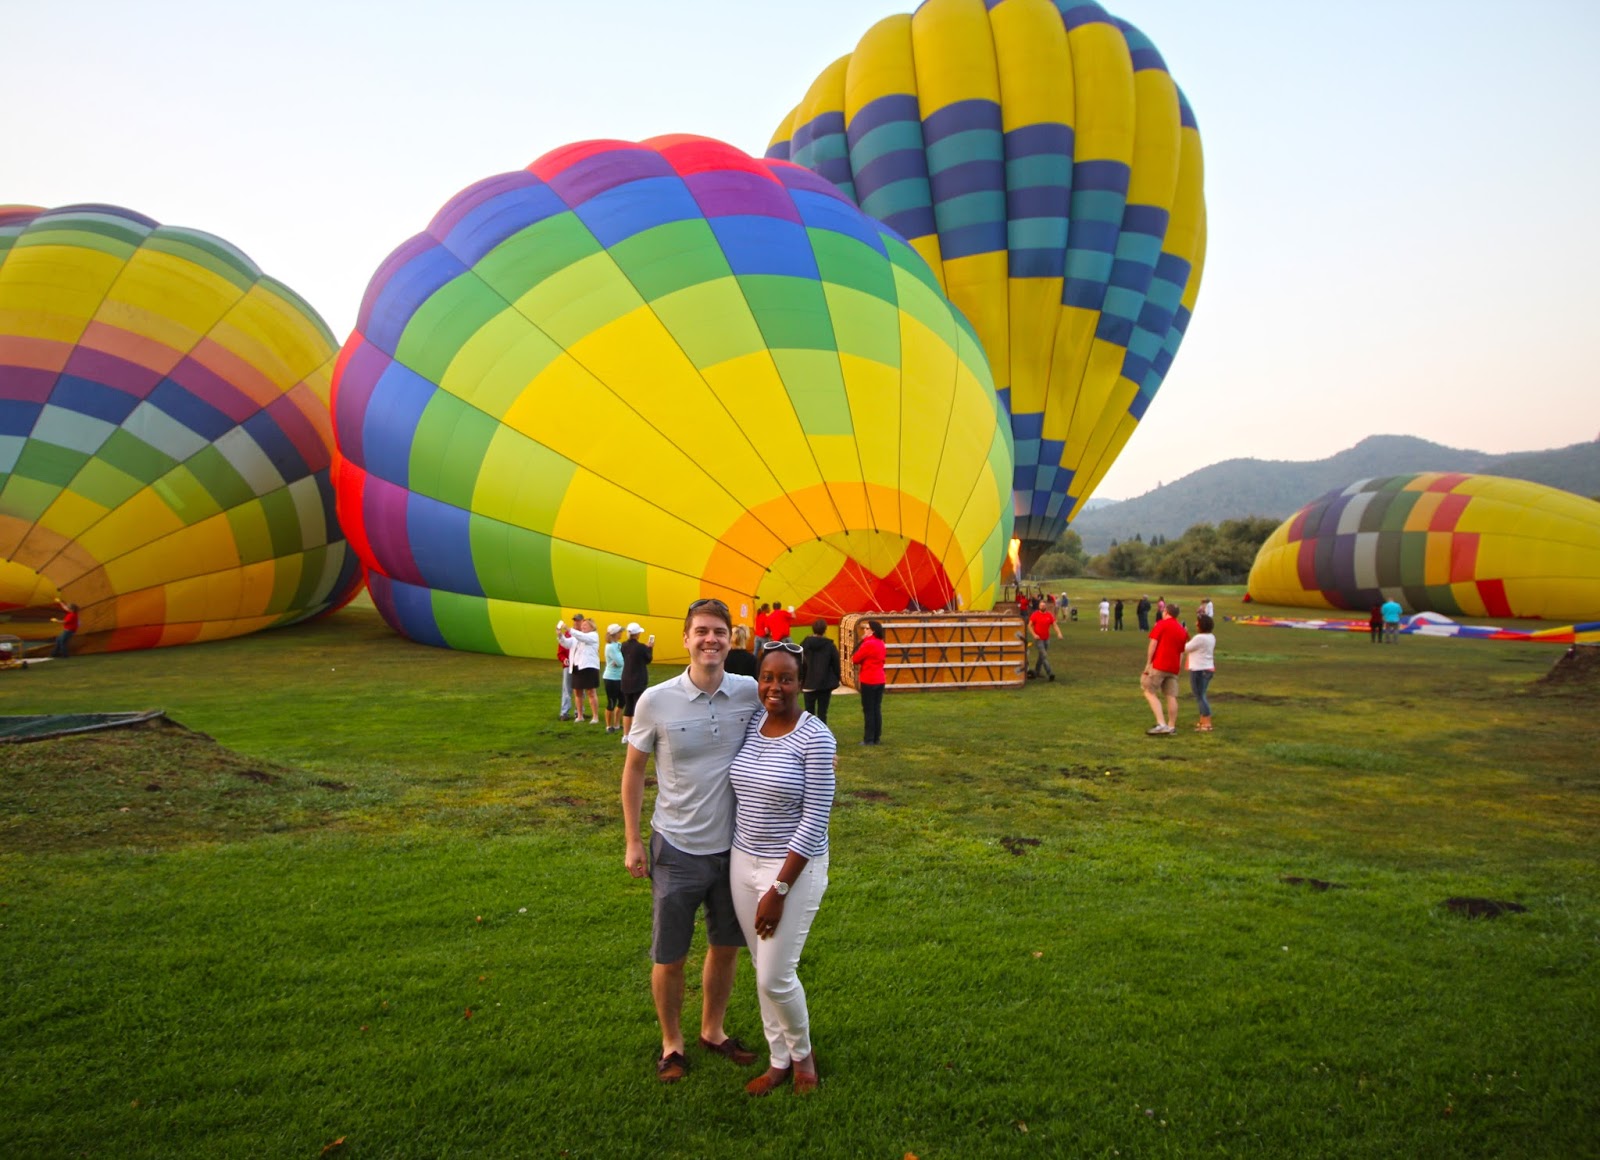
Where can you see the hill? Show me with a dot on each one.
(1268, 487)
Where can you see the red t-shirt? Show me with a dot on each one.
(869, 655)
(1042, 622)
(761, 623)
(1170, 637)
(69, 622)
(778, 623)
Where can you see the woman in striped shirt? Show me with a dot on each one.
(783, 786)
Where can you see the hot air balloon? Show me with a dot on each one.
(164, 433)
(633, 375)
(1462, 545)
(1042, 160)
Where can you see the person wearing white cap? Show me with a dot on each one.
(611, 676)
(636, 657)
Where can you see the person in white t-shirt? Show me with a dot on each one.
(1105, 615)
(1201, 656)
(585, 648)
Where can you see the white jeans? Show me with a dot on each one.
(783, 999)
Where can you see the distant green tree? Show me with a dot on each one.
(1125, 561)
(1064, 559)
(1202, 555)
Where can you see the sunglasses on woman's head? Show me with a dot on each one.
(786, 646)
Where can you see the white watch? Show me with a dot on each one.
(781, 887)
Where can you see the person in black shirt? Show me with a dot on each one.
(819, 669)
(636, 658)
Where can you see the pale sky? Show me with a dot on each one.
(1400, 194)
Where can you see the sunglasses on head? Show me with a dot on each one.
(785, 645)
(707, 602)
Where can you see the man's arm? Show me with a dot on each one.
(633, 767)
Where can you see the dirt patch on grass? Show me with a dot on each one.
(1576, 672)
(1019, 846)
(151, 785)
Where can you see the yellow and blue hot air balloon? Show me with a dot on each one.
(165, 439)
(637, 374)
(1462, 545)
(1038, 155)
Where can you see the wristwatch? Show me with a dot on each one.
(781, 887)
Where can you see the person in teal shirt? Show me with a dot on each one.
(612, 676)
(1391, 621)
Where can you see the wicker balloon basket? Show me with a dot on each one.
(941, 650)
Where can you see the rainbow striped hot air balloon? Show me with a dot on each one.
(164, 433)
(1462, 545)
(1042, 160)
(633, 375)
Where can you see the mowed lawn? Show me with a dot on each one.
(388, 917)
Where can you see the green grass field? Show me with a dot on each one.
(1047, 934)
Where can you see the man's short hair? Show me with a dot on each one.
(708, 606)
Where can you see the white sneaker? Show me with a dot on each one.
(1155, 731)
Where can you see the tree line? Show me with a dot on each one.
(1205, 554)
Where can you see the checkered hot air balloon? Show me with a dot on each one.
(1462, 545)
(1038, 155)
(164, 433)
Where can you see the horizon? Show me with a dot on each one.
(1100, 500)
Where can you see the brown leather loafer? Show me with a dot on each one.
(804, 1083)
(767, 1080)
(730, 1048)
(671, 1068)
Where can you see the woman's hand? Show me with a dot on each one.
(769, 913)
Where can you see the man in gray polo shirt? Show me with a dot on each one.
(694, 724)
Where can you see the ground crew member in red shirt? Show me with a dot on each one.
(1043, 623)
(779, 621)
(1162, 660)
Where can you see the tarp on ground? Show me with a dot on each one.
(38, 726)
(1433, 624)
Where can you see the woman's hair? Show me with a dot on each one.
(741, 636)
(768, 653)
(877, 628)
(1203, 622)
(819, 627)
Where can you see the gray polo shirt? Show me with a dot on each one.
(694, 736)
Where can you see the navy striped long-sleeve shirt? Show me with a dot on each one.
(783, 789)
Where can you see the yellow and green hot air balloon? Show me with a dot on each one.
(636, 374)
(1038, 155)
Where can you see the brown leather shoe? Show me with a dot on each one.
(767, 1080)
(730, 1048)
(805, 1083)
(672, 1067)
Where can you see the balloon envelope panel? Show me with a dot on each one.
(636, 374)
(165, 440)
(1042, 160)
(1462, 545)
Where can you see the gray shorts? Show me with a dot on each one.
(679, 884)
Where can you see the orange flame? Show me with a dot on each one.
(1014, 557)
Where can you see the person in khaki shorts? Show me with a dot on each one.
(694, 723)
(1160, 678)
